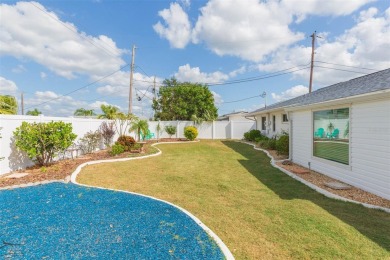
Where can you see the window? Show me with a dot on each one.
(284, 118)
(273, 123)
(331, 135)
(263, 123)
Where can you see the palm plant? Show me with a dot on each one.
(140, 126)
(8, 105)
(84, 112)
(109, 111)
(34, 112)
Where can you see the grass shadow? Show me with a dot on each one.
(373, 224)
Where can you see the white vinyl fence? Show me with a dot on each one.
(15, 160)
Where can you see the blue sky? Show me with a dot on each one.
(65, 55)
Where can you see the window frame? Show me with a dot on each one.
(284, 116)
(325, 160)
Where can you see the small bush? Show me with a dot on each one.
(126, 141)
(269, 144)
(107, 131)
(43, 141)
(90, 142)
(171, 130)
(282, 145)
(261, 138)
(252, 135)
(190, 132)
(117, 149)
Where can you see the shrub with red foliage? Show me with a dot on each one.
(126, 141)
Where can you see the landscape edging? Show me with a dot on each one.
(225, 250)
(314, 187)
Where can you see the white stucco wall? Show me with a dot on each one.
(369, 167)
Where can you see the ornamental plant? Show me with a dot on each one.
(90, 141)
(282, 144)
(107, 131)
(190, 132)
(126, 141)
(117, 149)
(171, 130)
(43, 141)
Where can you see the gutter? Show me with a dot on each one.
(254, 119)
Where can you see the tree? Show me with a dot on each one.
(34, 112)
(184, 101)
(84, 112)
(109, 111)
(8, 105)
(140, 126)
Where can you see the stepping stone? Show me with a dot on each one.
(16, 175)
(337, 185)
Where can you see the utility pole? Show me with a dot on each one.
(22, 103)
(154, 88)
(313, 40)
(131, 81)
(264, 95)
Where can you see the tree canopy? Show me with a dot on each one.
(109, 111)
(184, 101)
(34, 112)
(8, 105)
(84, 112)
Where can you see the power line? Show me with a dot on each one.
(240, 99)
(73, 91)
(265, 76)
(341, 70)
(345, 65)
(71, 29)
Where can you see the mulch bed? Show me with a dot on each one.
(319, 180)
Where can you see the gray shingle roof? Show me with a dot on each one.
(362, 85)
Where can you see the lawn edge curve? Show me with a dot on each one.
(312, 186)
(225, 250)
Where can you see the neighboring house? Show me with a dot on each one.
(342, 130)
(236, 116)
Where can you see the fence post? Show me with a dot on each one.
(231, 130)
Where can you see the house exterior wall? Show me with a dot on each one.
(369, 167)
(238, 118)
(280, 126)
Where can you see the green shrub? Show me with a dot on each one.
(171, 130)
(261, 138)
(252, 135)
(90, 142)
(269, 143)
(117, 149)
(190, 132)
(43, 141)
(282, 145)
(126, 141)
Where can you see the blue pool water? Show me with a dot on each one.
(66, 221)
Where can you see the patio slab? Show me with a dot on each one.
(337, 185)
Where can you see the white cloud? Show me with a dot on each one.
(290, 93)
(58, 45)
(97, 104)
(365, 45)
(217, 99)
(177, 27)
(238, 28)
(324, 8)
(186, 73)
(43, 75)
(7, 87)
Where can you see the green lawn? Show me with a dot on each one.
(258, 211)
(334, 151)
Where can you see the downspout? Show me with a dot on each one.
(290, 136)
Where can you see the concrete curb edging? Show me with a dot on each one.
(314, 187)
(225, 250)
